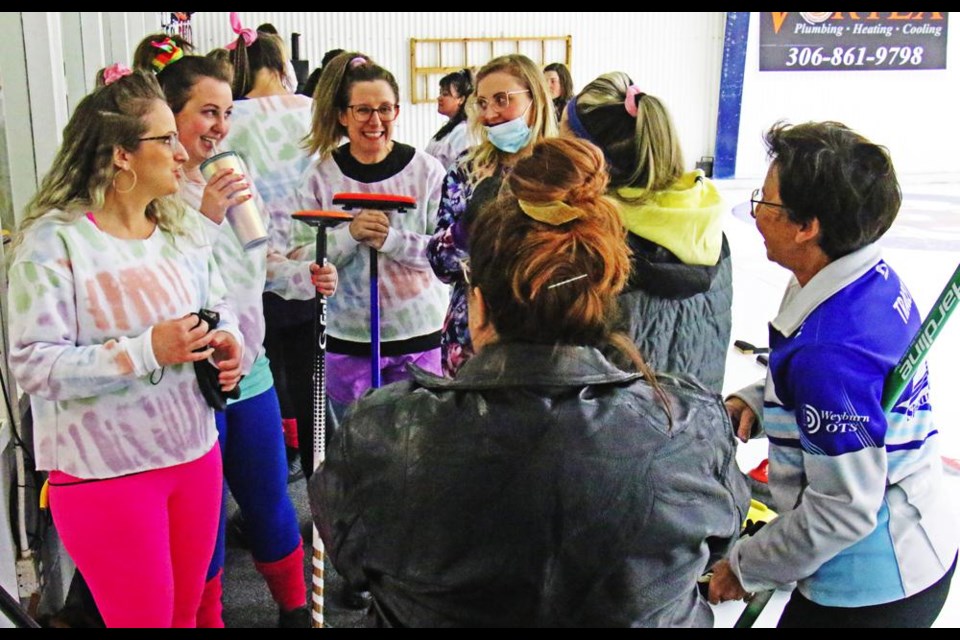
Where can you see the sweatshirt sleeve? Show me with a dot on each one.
(44, 356)
(288, 274)
(217, 301)
(341, 247)
(752, 395)
(407, 247)
(841, 428)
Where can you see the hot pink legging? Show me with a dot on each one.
(142, 542)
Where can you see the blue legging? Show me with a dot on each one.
(255, 469)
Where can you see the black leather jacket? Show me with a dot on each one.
(541, 487)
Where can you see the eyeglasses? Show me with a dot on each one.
(170, 139)
(465, 270)
(756, 201)
(363, 113)
(499, 102)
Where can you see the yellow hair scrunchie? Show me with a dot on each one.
(553, 213)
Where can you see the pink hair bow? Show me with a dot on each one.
(249, 35)
(114, 72)
(630, 102)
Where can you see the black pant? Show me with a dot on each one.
(918, 611)
(291, 352)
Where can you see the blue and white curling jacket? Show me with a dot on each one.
(864, 517)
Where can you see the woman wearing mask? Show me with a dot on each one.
(250, 428)
(677, 306)
(106, 283)
(452, 139)
(511, 113)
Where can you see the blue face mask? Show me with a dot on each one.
(510, 136)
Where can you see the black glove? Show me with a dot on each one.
(207, 374)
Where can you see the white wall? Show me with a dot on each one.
(913, 113)
(48, 62)
(675, 56)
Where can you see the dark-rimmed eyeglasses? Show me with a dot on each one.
(363, 113)
(500, 101)
(755, 202)
(170, 139)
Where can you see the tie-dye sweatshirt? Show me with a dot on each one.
(83, 304)
(267, 133)
(248, 274)
(412, 300)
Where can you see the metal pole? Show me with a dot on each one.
(321, 220)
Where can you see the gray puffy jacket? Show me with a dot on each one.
(679, 315)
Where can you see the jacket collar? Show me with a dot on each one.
(799, 302)
(520, 364)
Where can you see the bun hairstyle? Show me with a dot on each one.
(332, 97)
(550, 253)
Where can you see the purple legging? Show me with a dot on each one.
(142, 542)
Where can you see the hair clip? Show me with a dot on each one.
(357, 61)
(114, 72)
(567, 281)
(249, 35)
(553, 213)
(170, 54)
(630, 101)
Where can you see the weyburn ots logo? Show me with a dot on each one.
(830, 421)
(814, 18)
(811, 419)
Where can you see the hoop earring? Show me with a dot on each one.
(132, 185)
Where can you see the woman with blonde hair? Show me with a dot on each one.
(511, 111)
(677, 305)
(251, 433)
(567, 491)
(107, 284)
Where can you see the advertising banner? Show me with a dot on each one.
(852, 41)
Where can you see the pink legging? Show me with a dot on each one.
(142, 542)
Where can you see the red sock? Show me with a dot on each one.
(290, 433)
(285, 579)
(210, 613)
